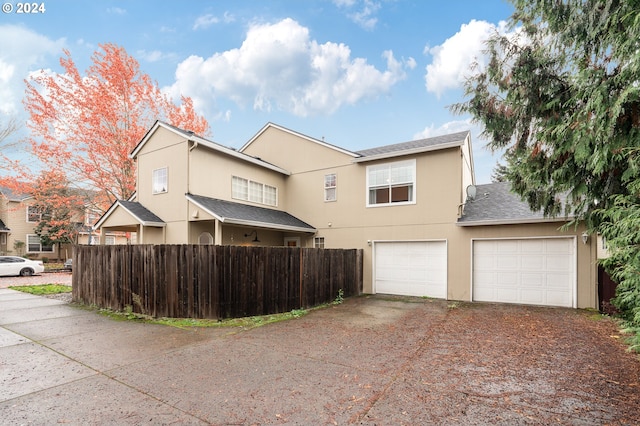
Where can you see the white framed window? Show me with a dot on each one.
(318, 242)
(34, 245)
(239, 188)
(256, 192)
(248, 190)
(391, 183)
(160, 181)
(270, 195)
(330, 187)
(33, 214)
(109, 240)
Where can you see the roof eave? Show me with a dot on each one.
(486, 222)
(404, 152)
(267, 225)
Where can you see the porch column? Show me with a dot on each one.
(217, 233)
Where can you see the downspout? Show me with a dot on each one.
(191, 148)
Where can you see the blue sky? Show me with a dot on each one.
(358, 73)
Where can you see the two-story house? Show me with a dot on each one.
(424, 226)
(19, 218)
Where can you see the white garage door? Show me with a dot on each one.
(539, 271)
(411, 268)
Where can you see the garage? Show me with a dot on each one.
(411, 268)
(531, 271)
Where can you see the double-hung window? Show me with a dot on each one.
(160, 181)
(330, 187)
(33, 214)
(34, 245)
(391, 183)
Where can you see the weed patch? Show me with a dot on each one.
(43, 289)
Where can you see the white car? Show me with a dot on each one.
(14, 265)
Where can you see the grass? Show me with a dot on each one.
(246, 323)
(43, 289)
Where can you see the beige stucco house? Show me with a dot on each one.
(406, 205)
(19, 218)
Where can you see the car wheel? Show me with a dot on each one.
(26, 272)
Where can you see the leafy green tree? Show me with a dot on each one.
(561, 94)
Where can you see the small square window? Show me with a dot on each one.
(318, 242)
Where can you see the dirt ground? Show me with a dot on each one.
(373, 360)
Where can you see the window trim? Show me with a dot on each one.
(318, 242)
(166, 180)
(245, 193)
(413, 193)
(39, 214)
(334, 187)
(53, 247)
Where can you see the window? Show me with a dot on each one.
(109, 240)
(248, 190)
(3, 238)
(34, 245)
(318, 242)
(391, 183)
(239, 188)
(160, 184)
(270, 195)
(255, 192)
(330, 185)
(33, 214)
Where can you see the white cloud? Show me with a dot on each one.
(452, 59)
(205, 21)
(278, 66)
(116, 11)
(154, 55)
(26, 52)
(365, 13)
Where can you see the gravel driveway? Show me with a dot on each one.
(44, 278)
(372, 361)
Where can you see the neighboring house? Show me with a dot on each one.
(18, 220)
(405, 205)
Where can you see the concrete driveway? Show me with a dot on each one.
(371, 360)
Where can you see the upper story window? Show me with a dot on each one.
(160, 180)
(391, 183)
(330, 187)
(248, 190)
(33, 214)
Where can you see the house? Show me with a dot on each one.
(19, 218)
(410, 206)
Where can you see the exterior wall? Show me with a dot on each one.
(16, 220)
(211, 173)
(294, 153)
(586, 268)
(467, 168)
(167, 150)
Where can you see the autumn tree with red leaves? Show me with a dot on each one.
(85, 126)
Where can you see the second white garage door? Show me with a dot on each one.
(536, 271)
(411, 268)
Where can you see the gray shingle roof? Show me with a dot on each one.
(496, 204)
(3, 227)
(141, 213)
(12, 195)
(427, 143)
(231, 212)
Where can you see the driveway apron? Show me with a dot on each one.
(372, 360)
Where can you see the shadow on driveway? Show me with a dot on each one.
(372, 360)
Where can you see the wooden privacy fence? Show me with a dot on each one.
(207, 281)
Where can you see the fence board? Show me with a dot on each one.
(193, 281)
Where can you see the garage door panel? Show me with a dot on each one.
(411, 268)
(539, 271)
